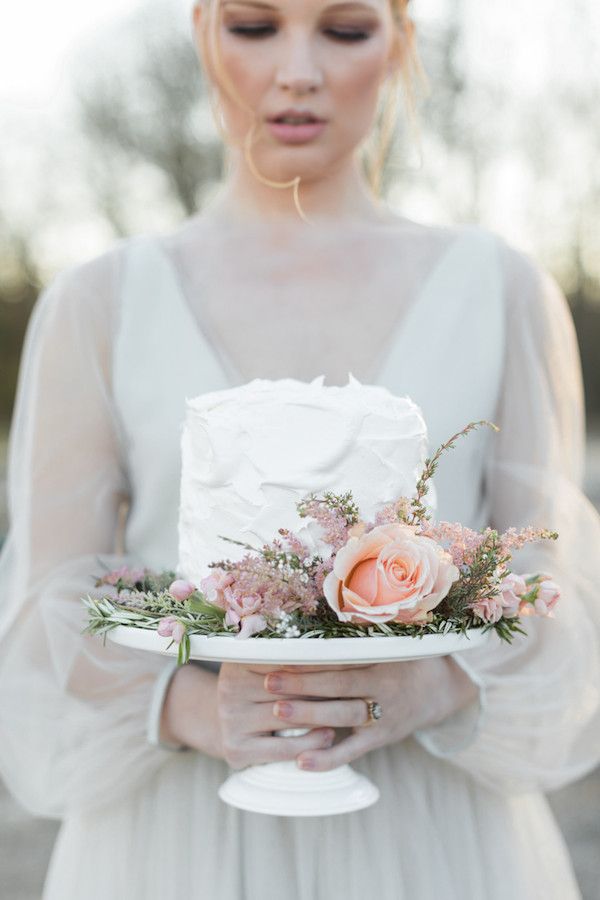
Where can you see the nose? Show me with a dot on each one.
(298, 71)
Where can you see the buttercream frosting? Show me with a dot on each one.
(250, 453)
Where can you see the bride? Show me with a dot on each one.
(295, 269)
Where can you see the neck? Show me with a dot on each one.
(343, 196)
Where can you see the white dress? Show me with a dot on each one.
(114, 347)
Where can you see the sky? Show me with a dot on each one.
(35, 40)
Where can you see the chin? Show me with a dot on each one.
(284, 162)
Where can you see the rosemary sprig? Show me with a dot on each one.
(419, 513)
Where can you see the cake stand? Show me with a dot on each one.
(282, 788)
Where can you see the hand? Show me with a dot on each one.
(412, 694)
(247, 722)
(230, 716)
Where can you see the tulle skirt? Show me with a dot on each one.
(434, 835)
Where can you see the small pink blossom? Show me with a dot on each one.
(213, 585)
(251, 625)
(547, 598)
(181, 589)
(512, 587)
(321, 572)
(548, 595)
(398, 511)
(171, 627)
(295, 544)
(489, 609)
(461, 542)
(238, 606)
(513, 539)
(244, 611)
(332, 521)
(123, 574)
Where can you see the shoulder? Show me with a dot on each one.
(78, 306)
(87, 281)
(536, 308)
(531, 293)
(528, 287)
(85, 294)
(483, 245)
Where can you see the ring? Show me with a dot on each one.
(374, 710)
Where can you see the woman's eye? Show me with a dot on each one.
(252, 31)
(337, 34)
(340, 34)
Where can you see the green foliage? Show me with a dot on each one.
(474, 584)
(205, 619)
(419, 513)
(343, 504)
(198, 604)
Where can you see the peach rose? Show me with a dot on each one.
(389, 574)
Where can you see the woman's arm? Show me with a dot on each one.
(72, 710)
(541, 722)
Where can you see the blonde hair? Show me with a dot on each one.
(380, 140)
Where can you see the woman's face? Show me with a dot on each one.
(320, 61)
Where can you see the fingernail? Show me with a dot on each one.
(283, 710)
(306, 763)
(273, 683)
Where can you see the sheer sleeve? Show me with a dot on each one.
(539, 718)
(73, 712)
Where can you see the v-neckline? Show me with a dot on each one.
(203, 330)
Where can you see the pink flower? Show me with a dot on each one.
(389, 574)
(123, 574)
(548, 597)
(244, 611)
(391, 513)
(490, 609)
(512, 587)
(181, 589)
(171, 627)
(334, 528)
(251, 625)
(544, 595)
(462, 543)
(214, 584)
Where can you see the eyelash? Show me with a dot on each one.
(261, 31)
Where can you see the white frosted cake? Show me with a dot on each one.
(250, 453)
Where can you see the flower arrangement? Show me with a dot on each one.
(401, 574)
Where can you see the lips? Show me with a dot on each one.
(296, 117)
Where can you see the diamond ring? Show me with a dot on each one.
(374, 710)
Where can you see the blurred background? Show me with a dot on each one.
(105, 131)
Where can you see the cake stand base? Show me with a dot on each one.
(282, 789)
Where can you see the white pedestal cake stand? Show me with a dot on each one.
(283, 789)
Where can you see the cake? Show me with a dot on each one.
(250, 453)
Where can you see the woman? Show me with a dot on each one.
(294, 270)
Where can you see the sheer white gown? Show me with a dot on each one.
(454, 317)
